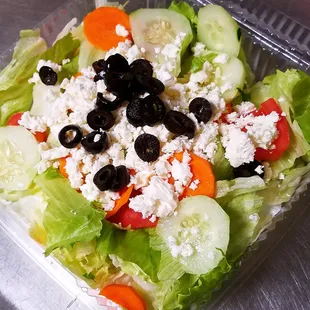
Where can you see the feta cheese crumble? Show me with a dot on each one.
(121, 31)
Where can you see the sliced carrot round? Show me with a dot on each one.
(124, 295)
(99, 27)
(124, 197)
(202, 171)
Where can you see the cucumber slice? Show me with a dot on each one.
(41, 106)
(231, 74)
(19, 155)
(198, 230)
(218, 30)
(154, 28)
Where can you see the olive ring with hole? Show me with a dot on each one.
(95, 142)
(70, 136)
(112, 178)
(100, 119)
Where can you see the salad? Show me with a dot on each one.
(142, 155)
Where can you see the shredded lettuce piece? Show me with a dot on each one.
(192, 289)
(25, 57)
(15, 91)
(69, 217)
(227, 190)
(17, 98)
(281, 190)
(198, 62)
(185, 9)
(83, 260)
(301, 105)
(221, 167)
(130, 246)
(243, 212)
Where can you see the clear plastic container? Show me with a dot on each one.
(271, 41)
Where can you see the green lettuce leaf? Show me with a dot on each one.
(280, 191)
(301, 105)
(15, 196)
(65, 48)
(198, 62)
(169, 267)
(192, 290)
(259, 93)
(25, 57)
(69, 69)
(185, 9)
(298, 148)
(130, 246)
(227, 190)
(243, 212)
(221, 167)
(84, 261)
(17, 98)
(69, 217)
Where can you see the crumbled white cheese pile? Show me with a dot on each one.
(158, 198)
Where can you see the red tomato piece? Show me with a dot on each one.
(228, 110)
(282, 142)
(127, 217)
(14, 119)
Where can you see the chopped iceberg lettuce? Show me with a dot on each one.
(243, 212)
(227, 190)
(221, 166)
(25, 57)
(69, 217)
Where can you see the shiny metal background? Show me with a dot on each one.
(282, 282)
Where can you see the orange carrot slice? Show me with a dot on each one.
(202, 171)
(124, 295)
(77, 74)
(99, 27)
(124, 197)
(62, 167)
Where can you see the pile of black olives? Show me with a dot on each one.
(112, 178)
(72, 135)
(126, 81)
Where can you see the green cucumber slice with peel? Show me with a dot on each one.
(19, 155)
(198, 234)
(218, 30)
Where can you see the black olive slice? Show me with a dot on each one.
(147, 147)
(117, 63)
(133, 113)
(152, 85)
(100, 119)
(48, 76)
(118, 83)
(248, 170)
(201, 108)
(104, 104)
(122, 178)
(142, 67)
(105, 178)
(99, 65)
(70, 136)
(179, 124)
(95, 142)
(153, 110)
